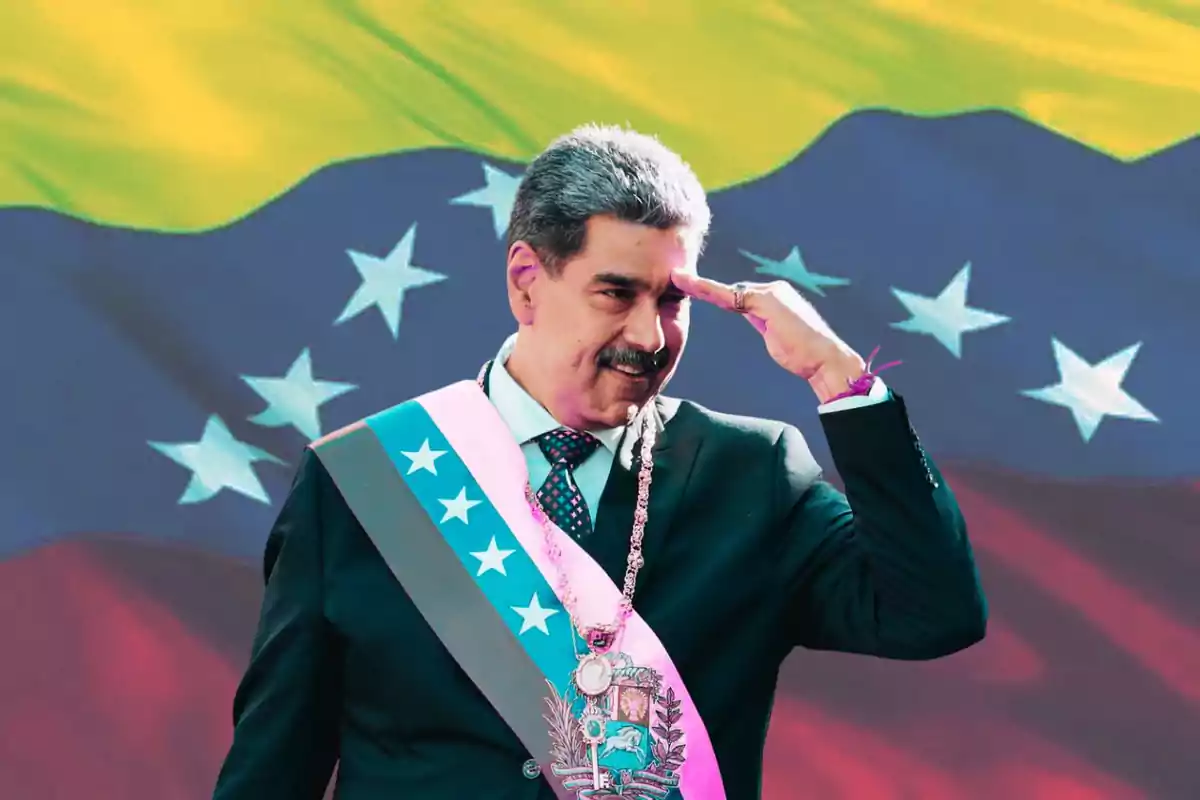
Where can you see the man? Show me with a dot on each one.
(553, 581)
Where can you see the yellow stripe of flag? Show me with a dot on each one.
(174, 114)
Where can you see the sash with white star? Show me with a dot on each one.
(438, 483)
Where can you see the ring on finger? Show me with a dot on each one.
(739, 298)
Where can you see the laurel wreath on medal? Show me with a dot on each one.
(668, 750)
(567, 748)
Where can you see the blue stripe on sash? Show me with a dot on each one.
(404, 429)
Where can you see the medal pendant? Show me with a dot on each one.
(616, 731)
(593, 675)
(601, 638)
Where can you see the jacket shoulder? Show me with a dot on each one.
(328, 439)
(744, 439)
(737, 426)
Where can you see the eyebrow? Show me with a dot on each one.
(620, 281)
(632, 284)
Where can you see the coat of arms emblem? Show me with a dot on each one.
(626, 744)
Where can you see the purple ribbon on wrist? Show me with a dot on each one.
(863, 383)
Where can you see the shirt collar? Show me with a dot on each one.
(525, 417)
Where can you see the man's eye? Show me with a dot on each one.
(619, 294)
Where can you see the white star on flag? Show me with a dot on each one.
(534, 616)
(296, 398)
(457, 507)
(218, 461)
(499, 195)
(492, 559)
(946, 317)
(423, 458)
(385, 280)
(792, 268)
(1092, 391)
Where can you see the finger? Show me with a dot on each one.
(758, 322)
(706, 289)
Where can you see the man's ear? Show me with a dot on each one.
(524, 269)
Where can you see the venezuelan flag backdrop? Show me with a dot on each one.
(227, 227)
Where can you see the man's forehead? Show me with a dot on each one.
(612, 235)
(629, 254)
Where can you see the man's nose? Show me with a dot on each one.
(645, 331)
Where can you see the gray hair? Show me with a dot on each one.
(604, 170)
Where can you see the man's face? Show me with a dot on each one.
(607, 332)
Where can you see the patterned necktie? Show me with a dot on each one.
(566, 449)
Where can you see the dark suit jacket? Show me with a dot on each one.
(748, 555)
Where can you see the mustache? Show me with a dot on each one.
(637, 359)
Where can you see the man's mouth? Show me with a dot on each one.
(629, 372)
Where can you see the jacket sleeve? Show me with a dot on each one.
(886, 568)
(286, 709)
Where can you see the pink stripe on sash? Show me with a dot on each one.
(479, 436)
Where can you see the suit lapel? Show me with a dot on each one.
(674, 456)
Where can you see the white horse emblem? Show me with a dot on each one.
(629, 740)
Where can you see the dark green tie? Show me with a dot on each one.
(566, 449)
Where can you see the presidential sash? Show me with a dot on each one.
(438, 483)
